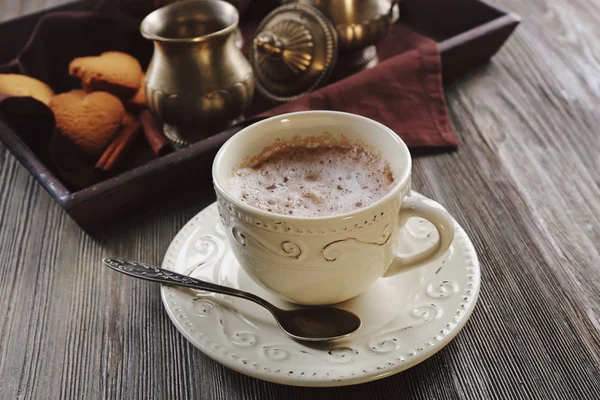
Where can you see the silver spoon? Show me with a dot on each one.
(312, 324)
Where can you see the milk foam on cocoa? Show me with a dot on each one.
(312, 180)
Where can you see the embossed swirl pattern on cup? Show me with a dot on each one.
(274, 224)
(244, 234)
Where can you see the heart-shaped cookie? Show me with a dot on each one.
(88, 120)
(112, 71)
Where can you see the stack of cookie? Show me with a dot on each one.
(102, 119)
(92, 117)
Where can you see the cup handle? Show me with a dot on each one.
(439, 217)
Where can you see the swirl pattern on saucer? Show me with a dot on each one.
(252, 343)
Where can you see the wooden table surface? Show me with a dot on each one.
(525, 185)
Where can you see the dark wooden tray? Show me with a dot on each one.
(469, 33)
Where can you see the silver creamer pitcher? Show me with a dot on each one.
(198, 81)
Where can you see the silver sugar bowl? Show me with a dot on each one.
(360, 25)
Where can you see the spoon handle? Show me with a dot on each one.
(156, 274)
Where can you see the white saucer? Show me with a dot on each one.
(406, 318)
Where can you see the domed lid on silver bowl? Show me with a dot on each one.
(293, 53)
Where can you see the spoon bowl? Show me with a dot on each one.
(311, 324)
(317, 324)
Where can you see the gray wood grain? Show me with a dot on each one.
(525, 185)
(10, 9)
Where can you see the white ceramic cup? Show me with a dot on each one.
(324, 260)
